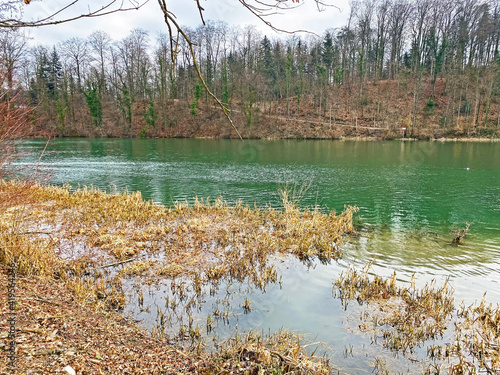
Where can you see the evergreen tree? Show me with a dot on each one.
(328, 54)
(266, 65)
(93, 99)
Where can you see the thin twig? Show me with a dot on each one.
(114, 264)
(38, 299)
(169, 19)
(15, 23)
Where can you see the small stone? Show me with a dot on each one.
(69, 370)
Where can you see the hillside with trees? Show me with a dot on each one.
(431, 66)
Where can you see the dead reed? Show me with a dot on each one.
(92, 240)
(477, 336)
(409, 315)
(208, 238)
(281, 353)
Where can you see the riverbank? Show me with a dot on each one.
(55, 330)
(341, 138)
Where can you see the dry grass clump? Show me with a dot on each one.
(411, 315)
(476, 343)
(33, 256)
(281, 353)
(137, 267)
(478, 335)
(104, 295)
(185, 239)
(32, 250)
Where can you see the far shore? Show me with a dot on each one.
(348, 138)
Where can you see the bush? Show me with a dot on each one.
(430, 106)
(487, 132)
(14, 125)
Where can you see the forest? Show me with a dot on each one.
(430, 66)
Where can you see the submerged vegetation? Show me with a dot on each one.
(407, 317)
(280, 353)
(411, 315)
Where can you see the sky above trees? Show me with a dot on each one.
(150, 18)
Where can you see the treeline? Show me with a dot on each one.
(430, 65)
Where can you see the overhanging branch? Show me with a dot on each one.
(53, 19)
(170, 21)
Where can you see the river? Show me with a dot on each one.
(412, 197)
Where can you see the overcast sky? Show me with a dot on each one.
(150, 18)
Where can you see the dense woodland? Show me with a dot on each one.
(430, 65)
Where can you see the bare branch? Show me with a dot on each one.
(170, 20)
(261, 13)
(200, 9)
(269, 8)
(53, 19)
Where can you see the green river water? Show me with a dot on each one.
(411, 195)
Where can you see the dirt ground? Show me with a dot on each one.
(54, 331)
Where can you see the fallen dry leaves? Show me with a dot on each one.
(53, 331)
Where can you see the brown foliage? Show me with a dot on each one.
(14, 124)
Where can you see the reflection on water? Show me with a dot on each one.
(411, 195)
(472, 267)
(303, 302)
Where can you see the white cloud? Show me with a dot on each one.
(150, 18)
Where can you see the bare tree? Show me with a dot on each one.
(163, 69)
(400, 11)
(76, 51)
(100, 43)
(14, 114)
(136, 63)
(382, 14)
(12, 48)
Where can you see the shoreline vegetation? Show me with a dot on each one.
(74, 250)
(84, 243)
(355, 138)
